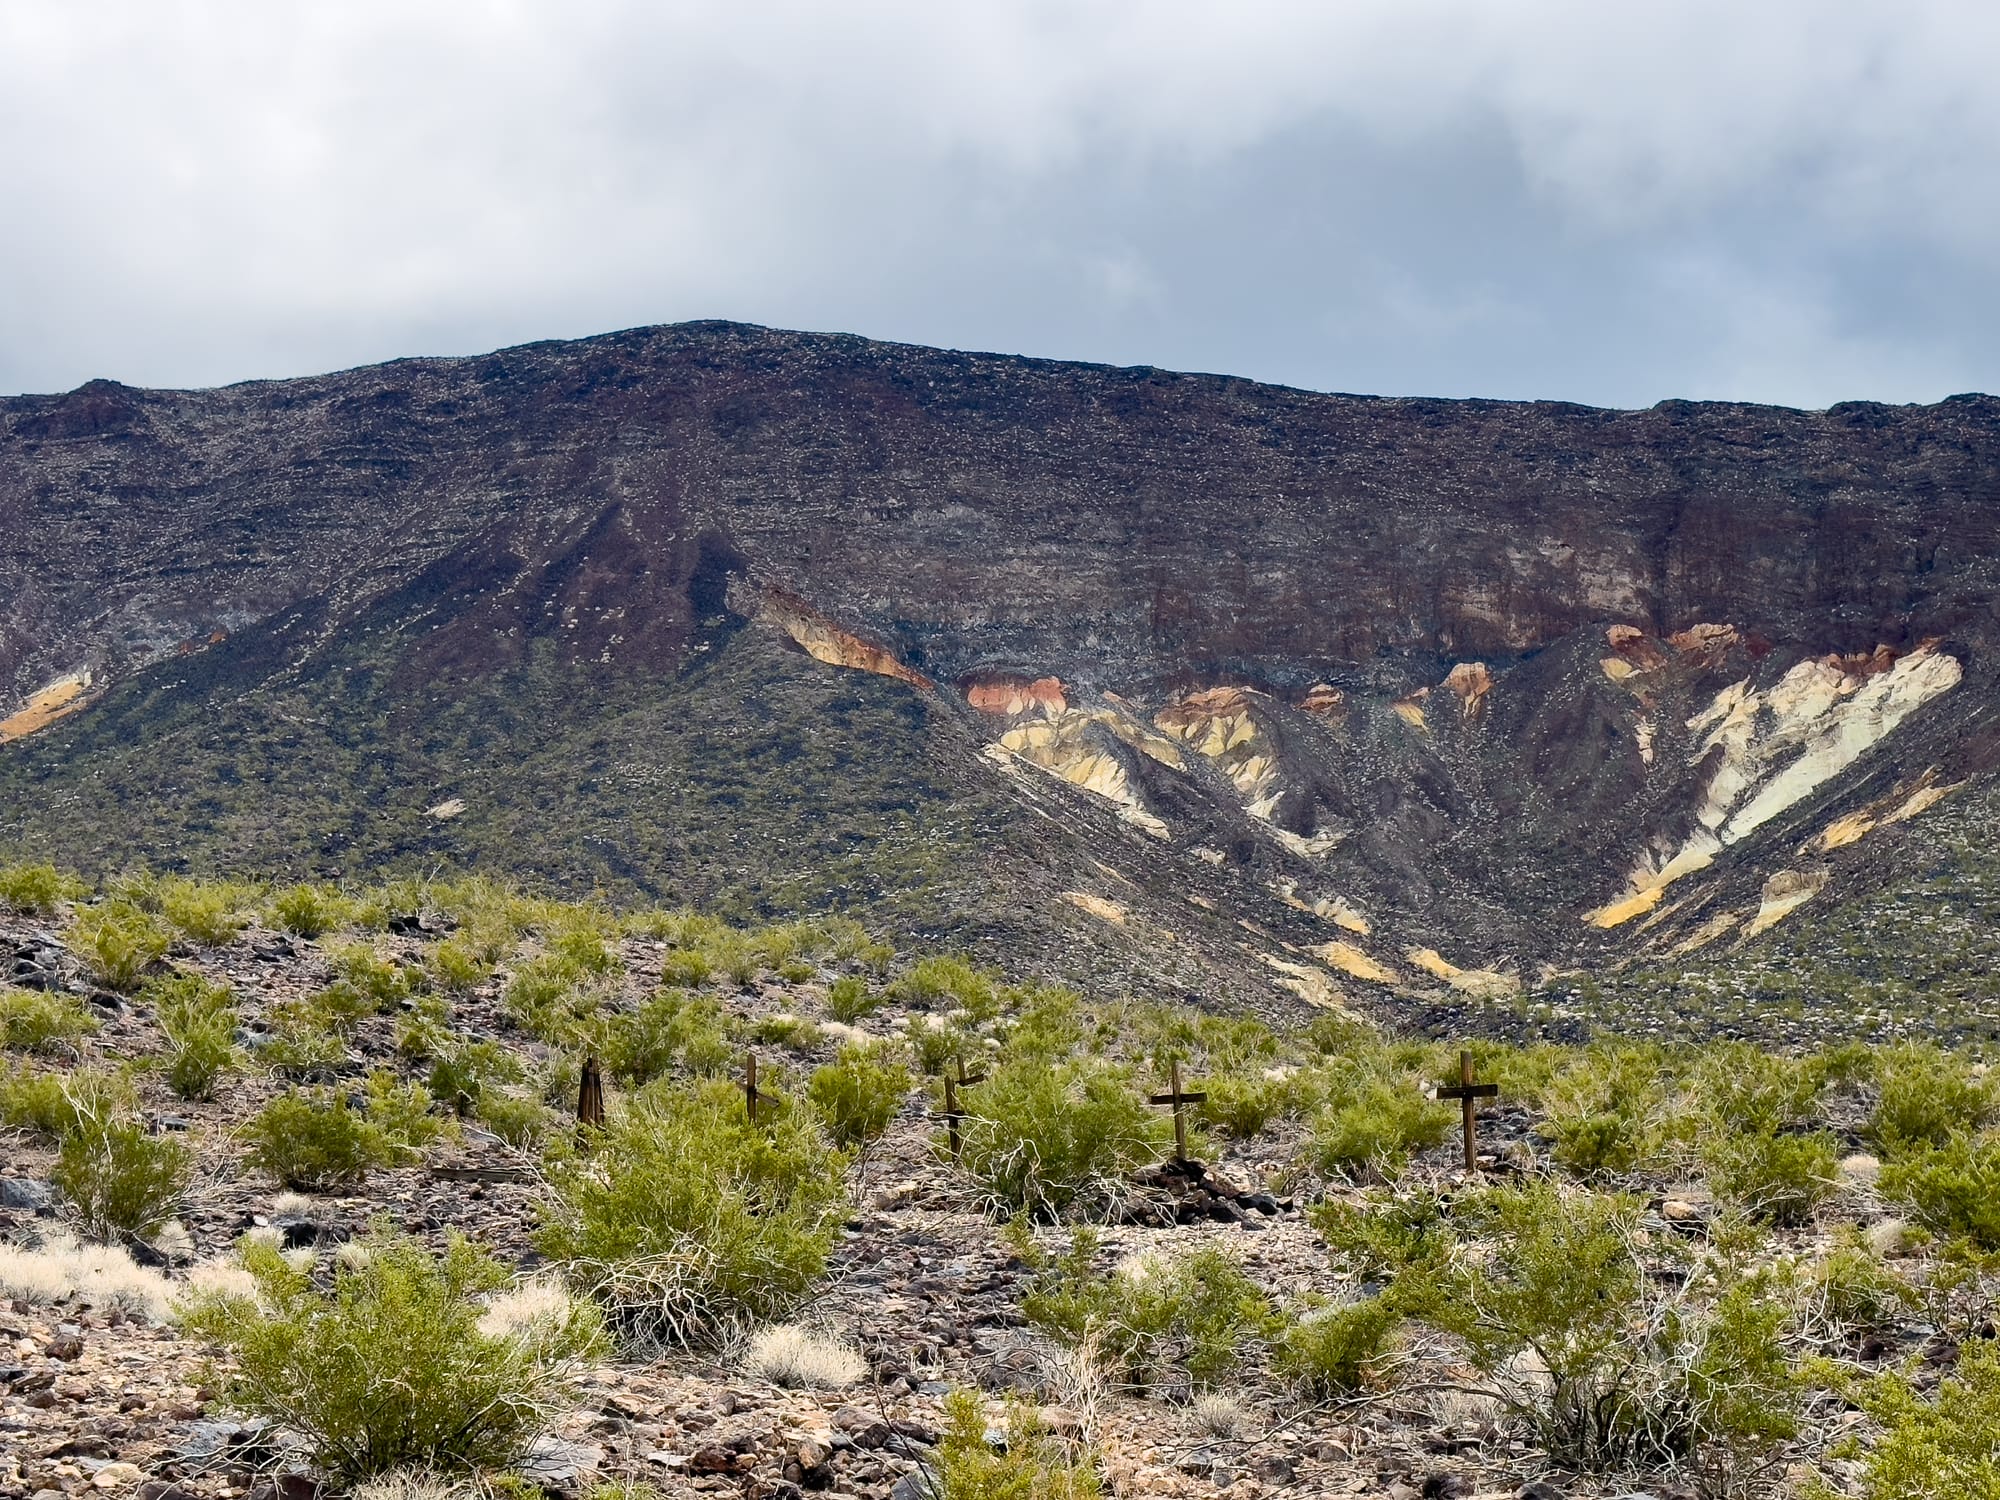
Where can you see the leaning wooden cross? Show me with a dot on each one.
(952, 1113)
(1177, 1097)
(750, 1091)
(1465, 1092)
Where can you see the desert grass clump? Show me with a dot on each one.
(198, 1018)
(118, 941)
(207, 912)
(120, 1180)
(849, 999)
(1042, 1135)
(41, 1020)
(51, 1104)
(859, 1092)
(37, 889)
(398, 1363)
(686, 1216)
(309, 910)
(802, 1358)
(61, 1268)
(310, 1140)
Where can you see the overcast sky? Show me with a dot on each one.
(1793, 201)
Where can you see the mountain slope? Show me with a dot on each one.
(1164, 681)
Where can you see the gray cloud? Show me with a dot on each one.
(1788, 202)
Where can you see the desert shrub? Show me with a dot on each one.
(1386, 1234)
(309, 911)
(41, 1020)
(1782, 1178)
(1609, 1365)
(795, 1356)
(1030, 1465)
(458, 966)
(399, 1362)
(1041, 1135)
(198, 1018)
(1745, 1089)
(1604, 1111)
(519, 1119)
(1944, 1445)
(794, 1033)
(51, 1104)
(402, 1113)
(1952, 1189)
(1848, 1287)
(1927, 1095)
(118, 941)
(1240, 1104)
(941, 1045)
(461, 1075)
(36, 888)
(1338, 1348)
(859, 1092)
(947, 980)
(1372, 1120)
(553, 998)
(672, 1027)
(207, 912)
(301, 1043)
(117, 1178)
(686, 968)
(849, 998)
(310, 1140)
(686, 1214)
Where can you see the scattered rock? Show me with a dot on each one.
(27, 1193)
(118, 1476)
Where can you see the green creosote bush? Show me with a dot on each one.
(41, 1020)
(1953, 1189)
(795, 1033)
(1040, 1136)
(1926, 1096)
(1031, 1464)
(1339, 1348)
(519, 1119)
(198, 1018)
(1241, 1105)
(400, 1363)
(458, 966)
(1621, 1368)
(1782, 1178)
(1849, 1288)
(52, 1104)
(309, 910)
(38, 888)
(553, 998)
(1372, 1121)
(947, 979)
(1604, 1111)
(461, 1074)
(210, 913)
(117, 1178)
(859, 1092)
(686, 968)
(1385, 1233)
(310, 1140)
(940, 1045)
(402, 1113)
(671, 1028)
(118, 941)
(1944, 1445)
(849, 999)
(302, 1043)
(685, 1216)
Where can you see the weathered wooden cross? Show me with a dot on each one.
(1465, 1093)
(750, 1091)
(1178, 1097)
(590, 1094)
(952, 1113)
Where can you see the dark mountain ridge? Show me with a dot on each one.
(1470, 673)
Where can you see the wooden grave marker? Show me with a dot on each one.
(952, 1113)
(1178, 1097)
(1465, 1092)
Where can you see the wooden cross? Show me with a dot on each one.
(751, 1093)
(590, 1094)
(1465, 1093)
(1177, 1098)
(952, 1113)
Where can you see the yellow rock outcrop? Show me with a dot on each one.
(63, 696)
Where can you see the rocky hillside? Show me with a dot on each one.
(1170, 682)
